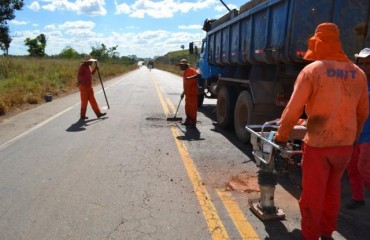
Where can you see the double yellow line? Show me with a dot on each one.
(215, 225)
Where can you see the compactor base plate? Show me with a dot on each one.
(257, 210)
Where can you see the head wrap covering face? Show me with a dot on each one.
(326, 44)
(183, 62)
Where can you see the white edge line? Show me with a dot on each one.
(2, 146)
(35, 127)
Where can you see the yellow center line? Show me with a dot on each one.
(210, 214)
(173, 108)
(245, 229)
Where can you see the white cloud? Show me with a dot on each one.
(50, 27)
(81, 33)
(82, 39)
(77, 24)
(26, 34)
(88, 7)
(222, 8)
(196, 27)
(161, 9)
(15, 22)
(55, 34)
(35, 6)
(122, 8)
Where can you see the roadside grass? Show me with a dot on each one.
(169, 61)
(172, 68)
(26, 80)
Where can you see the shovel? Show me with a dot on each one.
(174, 118)
(101, 82)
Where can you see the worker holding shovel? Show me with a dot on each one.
(84, 78)
(190, 83)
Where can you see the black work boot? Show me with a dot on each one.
(353, 204)
(101, 115)
(326, 238)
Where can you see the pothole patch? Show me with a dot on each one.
(154, 119)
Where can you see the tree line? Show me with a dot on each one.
(7, 9)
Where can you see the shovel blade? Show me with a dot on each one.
(174, 119)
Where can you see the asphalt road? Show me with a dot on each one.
(134, 175)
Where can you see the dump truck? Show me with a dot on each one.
(250, 58)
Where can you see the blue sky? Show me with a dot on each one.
(145, 28)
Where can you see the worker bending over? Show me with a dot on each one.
(190, 85)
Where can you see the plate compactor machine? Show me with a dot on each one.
(273, 159)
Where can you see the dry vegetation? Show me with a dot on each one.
(25, 80)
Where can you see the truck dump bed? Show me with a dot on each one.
(277, 31)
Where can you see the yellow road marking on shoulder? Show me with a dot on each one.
(210, 214)
(245, 229)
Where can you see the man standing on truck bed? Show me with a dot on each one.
(333, 92)
(190, 84)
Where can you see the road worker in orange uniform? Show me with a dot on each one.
(333, 92)
(190, 84)
(358, 168)
(84, 78)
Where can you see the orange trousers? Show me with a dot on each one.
(87, 96)
(364, 162)
(322, 171)
(356, 169)
(355, 180)
(191, 108)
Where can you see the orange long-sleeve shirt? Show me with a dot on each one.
(334, 95)
(84, 76)
(190, 82)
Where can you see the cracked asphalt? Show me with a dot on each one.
(133, 175)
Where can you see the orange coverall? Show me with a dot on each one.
(191, 95)
(84, 78)
(333, 92)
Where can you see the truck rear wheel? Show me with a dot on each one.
(242, 115)
(225, 107)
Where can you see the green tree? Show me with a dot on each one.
(7, 8)
(127, 60)
(5, 39)
(103, 53)
(69, 53)
(36, 46)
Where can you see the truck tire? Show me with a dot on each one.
(242, 115)
(225, 107)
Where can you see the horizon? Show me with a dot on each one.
(144, 28)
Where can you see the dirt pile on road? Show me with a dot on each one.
(243, 182)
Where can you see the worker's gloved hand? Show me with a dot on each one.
(182, 95)
(281, 144)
